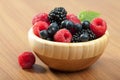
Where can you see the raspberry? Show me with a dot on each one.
(26, 60)
(40, 17)
(73, 18)
(39, 26)
(98, 26)
(63, 35)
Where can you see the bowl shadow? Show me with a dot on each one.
(69, 72)
(37, 69)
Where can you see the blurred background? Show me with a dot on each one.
(16, 19)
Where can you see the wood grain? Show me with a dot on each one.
(15, 21)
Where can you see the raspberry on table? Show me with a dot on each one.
(63, 35)
(98, 26)
(26, 60)
(39, 26)
(73, 18)
(40, 17)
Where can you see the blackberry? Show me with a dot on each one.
(92, 36)
(83, 35)
(57, 15)
(76, 37)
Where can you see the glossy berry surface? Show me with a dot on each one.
(53, 28)
(86, 24)
(26, 60)
(44, 34)
(98, 26)
(39, 26)
(67, 24)
(84, 37)
(63, 35)
(78, 27)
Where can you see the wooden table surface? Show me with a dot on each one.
(15, 21)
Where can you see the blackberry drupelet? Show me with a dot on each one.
(57, 15)
(87, 32)
(76, 37)
(92, 36)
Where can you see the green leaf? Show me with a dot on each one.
(88, 15)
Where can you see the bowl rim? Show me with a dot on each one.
(31, 34)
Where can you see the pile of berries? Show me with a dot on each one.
(60, 26)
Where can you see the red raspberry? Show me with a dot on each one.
(98, 26)
(39, 26)
(63, 35)
(73, 18)
(26, 60)
(40, 17)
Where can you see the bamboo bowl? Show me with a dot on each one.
(68, 56)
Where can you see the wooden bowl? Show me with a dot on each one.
(68, 56)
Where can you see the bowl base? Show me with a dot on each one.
(68, 65)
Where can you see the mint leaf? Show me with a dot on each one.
(88, 15)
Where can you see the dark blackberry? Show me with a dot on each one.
(92, 36)
(76, 37)
(57, 15)
(83, 35)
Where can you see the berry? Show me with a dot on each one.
(63, 35)
(39, 26)
(26, 60)
(76, 37)
(40, 17)
(57, 15)
(86, 24)
(98, 26)
(92, 36)
(53, 28)
(78, 27)
(83, 35)
(73, 18)
(67, 24)
(44, 34)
